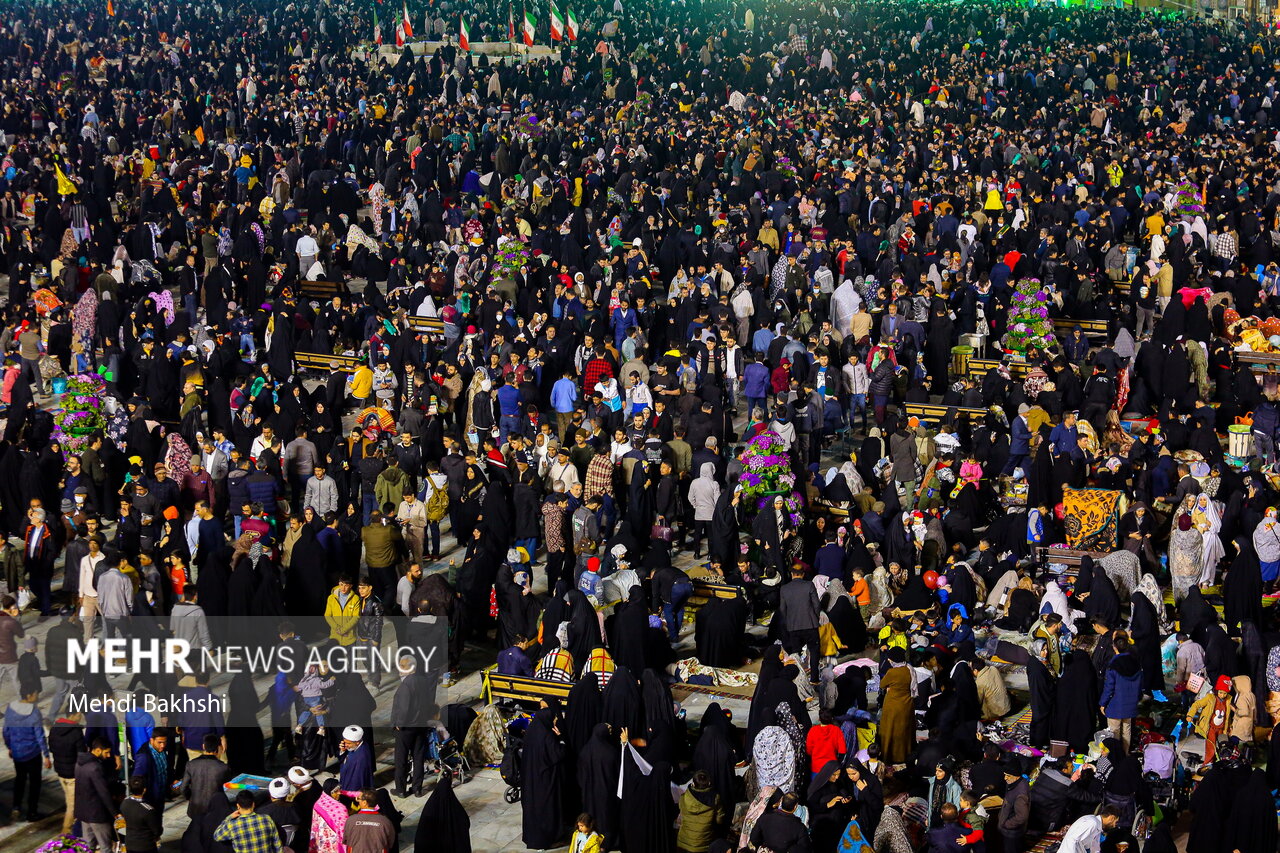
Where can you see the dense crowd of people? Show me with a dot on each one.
(359, 344)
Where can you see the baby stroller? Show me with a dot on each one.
(512, 755)
(1160, 766)
(446, 756)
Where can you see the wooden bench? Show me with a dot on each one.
(938, 413)
(1258, 360)
(521, 689)
(324, 290)
(433, 326)
(1066, 556)
(704, 591)
(980, 367)
(1091, 328)
(319, 362)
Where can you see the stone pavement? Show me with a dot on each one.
(495, 823)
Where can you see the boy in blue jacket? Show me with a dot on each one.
(1121, 690)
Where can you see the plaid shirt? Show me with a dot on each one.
(596, 370)
(251, 833)
(1224, 245)
(599, 477)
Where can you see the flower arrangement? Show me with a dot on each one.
(767, 473)
(530, 126)
(1189, 200)
(512, 254)
(785, 167)
(65, 844)
(82, 413)
(1029, 323)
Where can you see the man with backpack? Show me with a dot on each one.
(435, 496)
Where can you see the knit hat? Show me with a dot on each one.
(1223, 683)
(353, 733)
(593, 564)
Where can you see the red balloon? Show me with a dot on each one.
(931, 579)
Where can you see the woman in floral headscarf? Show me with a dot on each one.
(84, 317)
(178, 458)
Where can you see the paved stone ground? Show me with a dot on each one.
(495, 823)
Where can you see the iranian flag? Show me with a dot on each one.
(528, 28)
(464, 35)
(400, 34)
(408, 27)
(511, 25)
(571, 25)
(557, 23)
(377, 29)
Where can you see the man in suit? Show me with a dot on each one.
(891, 326)
(1019, 442)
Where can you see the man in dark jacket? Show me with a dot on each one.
(66, 744)
(411, 713)
(798, 608)
(10, 630)
(143, 822)
(263, 488)
(780, 829)
(204, 777)
(1016, 808)
(94, 806)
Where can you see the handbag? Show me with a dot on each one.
(661, 530)
(1195, 683)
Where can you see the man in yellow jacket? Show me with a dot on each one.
(342, 612)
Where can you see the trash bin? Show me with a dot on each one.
(960, 356)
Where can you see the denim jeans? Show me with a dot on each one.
(754, 403)
(368, 503)
(433, 537)
(507, 424)
(857, 405)
(673, 610)
(307, 713)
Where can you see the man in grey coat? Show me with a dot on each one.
(902, 450)
(798, 608)
(115, 601)
(188, 620)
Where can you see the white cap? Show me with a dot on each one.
(353, 733)
(279, 788)
(299, 775)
